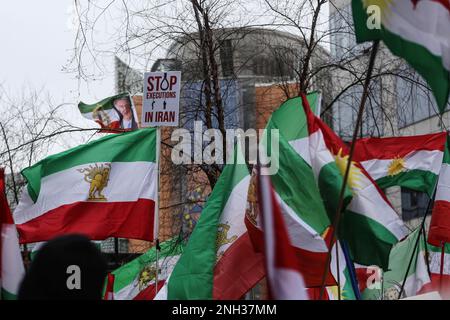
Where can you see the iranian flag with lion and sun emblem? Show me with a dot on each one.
(106, 188)
(136, 280)
(218, 261)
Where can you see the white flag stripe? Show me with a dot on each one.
(300, 233)
(322, 155)
(420, 160)
(285, 284)
(415, 282)
(233, 213)
(412, 23)
(12, 269)
(301, 146)
(121, 187)
(443, 187)
(435, 262)
(370, 203)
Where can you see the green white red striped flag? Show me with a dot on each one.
(301, 207)
(439, 231)
(106, 188)
(417, 277)
(11, 265)
(219, 261)
(414, 30)
(436, 257)
(284, 278)
(136, 280)
(369, 224)
(413, 162)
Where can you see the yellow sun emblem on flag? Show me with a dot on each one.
(397, 165)
(354, 175)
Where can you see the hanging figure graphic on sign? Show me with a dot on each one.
(123, 107)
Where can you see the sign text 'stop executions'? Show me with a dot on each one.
(161, 99)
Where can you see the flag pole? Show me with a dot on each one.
(441, 271)
(427, 253)
(422, 226)
(338, 271)
(156, 219)
(349, 161)
(351, 268)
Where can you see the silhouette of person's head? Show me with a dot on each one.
(65, 268)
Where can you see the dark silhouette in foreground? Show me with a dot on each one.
(65, 268)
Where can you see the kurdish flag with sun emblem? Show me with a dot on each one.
(369, 223)
(106, 188)
(136, 280)
(413, 162)
(416, 30)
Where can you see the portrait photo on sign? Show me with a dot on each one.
(126, 112)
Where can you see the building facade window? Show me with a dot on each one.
(226, 58)
(415, 102)
(343, 40)
(414, 204)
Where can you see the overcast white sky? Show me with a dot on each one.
(36, 42)
(37, 38)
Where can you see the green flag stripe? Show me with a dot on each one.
(138, 145)
(330, 182)
(369, 252)
(428, 65)
(446, 152)
(7, 295)
(126, 274)
(418, 180)
(192, 277)
(439, 249)
(304, 198)
(290, 119)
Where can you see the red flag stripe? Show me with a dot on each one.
(284, 278)
(109, 292)
(96, 220)
(392, 147)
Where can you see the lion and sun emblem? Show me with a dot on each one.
(147, 274)
(97, 176)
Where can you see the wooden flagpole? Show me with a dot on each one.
(349, 161)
